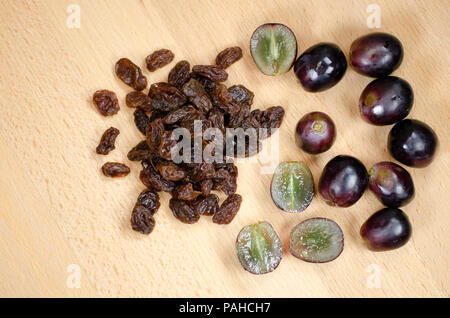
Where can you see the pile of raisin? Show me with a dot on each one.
(189, 96)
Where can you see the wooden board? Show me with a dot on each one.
(56, 209)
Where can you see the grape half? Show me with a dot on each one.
(317, 240)
(274, 48)
(259, 248)
(386, 229)
(292, 186)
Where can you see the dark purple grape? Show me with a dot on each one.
(315, 133)
(320, 67)
(376, 54)
(391, 184)
(316, 240)
(274, 48)
(386, 101)
(386, 229)
(413, 143)
(259, 248)
(343, 181)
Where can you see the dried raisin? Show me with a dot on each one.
(183, 211)
(106, 102)
(138, 99)
(179, 75)
(212, 72)
(159, 59)
(107, 141)
(141, 120)
(228, 56)
(228, 209)
(142, 219)
(130, 74)
(115, 169)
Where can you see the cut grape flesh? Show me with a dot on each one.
(316, 240)
(259, 248)
(292, 186)
(274, 48)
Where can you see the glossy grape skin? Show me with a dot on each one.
(320, 67)
(315, 133)
(316, 240)
(259, 248)
(274, 48)
(391, 184)
(376, 54)
(343, 181)
(386, 229)
(413, 143)
(386, 101)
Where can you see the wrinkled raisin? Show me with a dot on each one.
(106, 102)
(206, 205)
(183, 212)
(107, 141)
(212, 72)
(115, 169)
(228, 209)
(197, 95)
(159, 59)
(185, 192)
(130, 74)
(183, 113)
(207, 84)
(206, 186)
(152, 180)
(149, 200)
(138, 99)
(141, 120)
(142, 220)
(241, 95)
(170, 171)
(179, 75)
(270, 119)
(202, 171)
(228, 56)
(140, 152)
(166, 97)
(154, 133)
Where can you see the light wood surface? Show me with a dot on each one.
(56, 209)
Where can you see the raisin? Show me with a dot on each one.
(149, 200)
(142, 219)
(241, 95)
(206, 205)
(154, 133)
(167, 143)
(197, 95)
(183, 113)
(166, 97)
(217, 119)
(212, 72)
(228, 209)
(152, 180)
(206, 186)
(228, 56)
(185, 192)
(106, 102)
(140, 152)
(130, 74)
(236, 120)
(202, 171)
(138, 99)
(270, 119)
(179, 75)
(115, 169)
(170, 171)
(222, 99)
(159, 59)
(107, 141)
(141, 120)
(207, 84)
(183, 212)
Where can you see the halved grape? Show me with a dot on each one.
(316, 240)
(259, 248)
(274, 48)
(292, 186)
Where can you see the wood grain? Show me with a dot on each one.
(56, 209)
